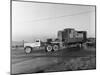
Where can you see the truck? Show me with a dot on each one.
(29, 46)
(66, 38)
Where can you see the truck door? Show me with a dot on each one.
(37, 42)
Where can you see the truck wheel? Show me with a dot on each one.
(55, 47)
(28, 50)
(79, 46)
(84, 46)
(49, 48)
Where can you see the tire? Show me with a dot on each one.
(28, 50)
(79, 47)
(55, 47)
(84, 46)
(48, 48)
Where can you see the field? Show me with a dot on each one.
(63, 60)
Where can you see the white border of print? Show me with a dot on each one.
(5, 37)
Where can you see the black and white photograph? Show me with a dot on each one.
(52, 37)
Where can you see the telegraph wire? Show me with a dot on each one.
(50, 18)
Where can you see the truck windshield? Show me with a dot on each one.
(37, 40)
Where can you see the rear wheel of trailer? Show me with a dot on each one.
(55, 47)
(84, 46)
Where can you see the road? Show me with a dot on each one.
(39, 60)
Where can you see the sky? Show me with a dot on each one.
(31, 20)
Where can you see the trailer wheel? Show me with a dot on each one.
(79, 47)
(49, 48)
(55, 47)
(84, 46)
(28, 50)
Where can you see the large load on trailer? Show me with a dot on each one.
(72, 36)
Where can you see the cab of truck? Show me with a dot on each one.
(28, 47)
